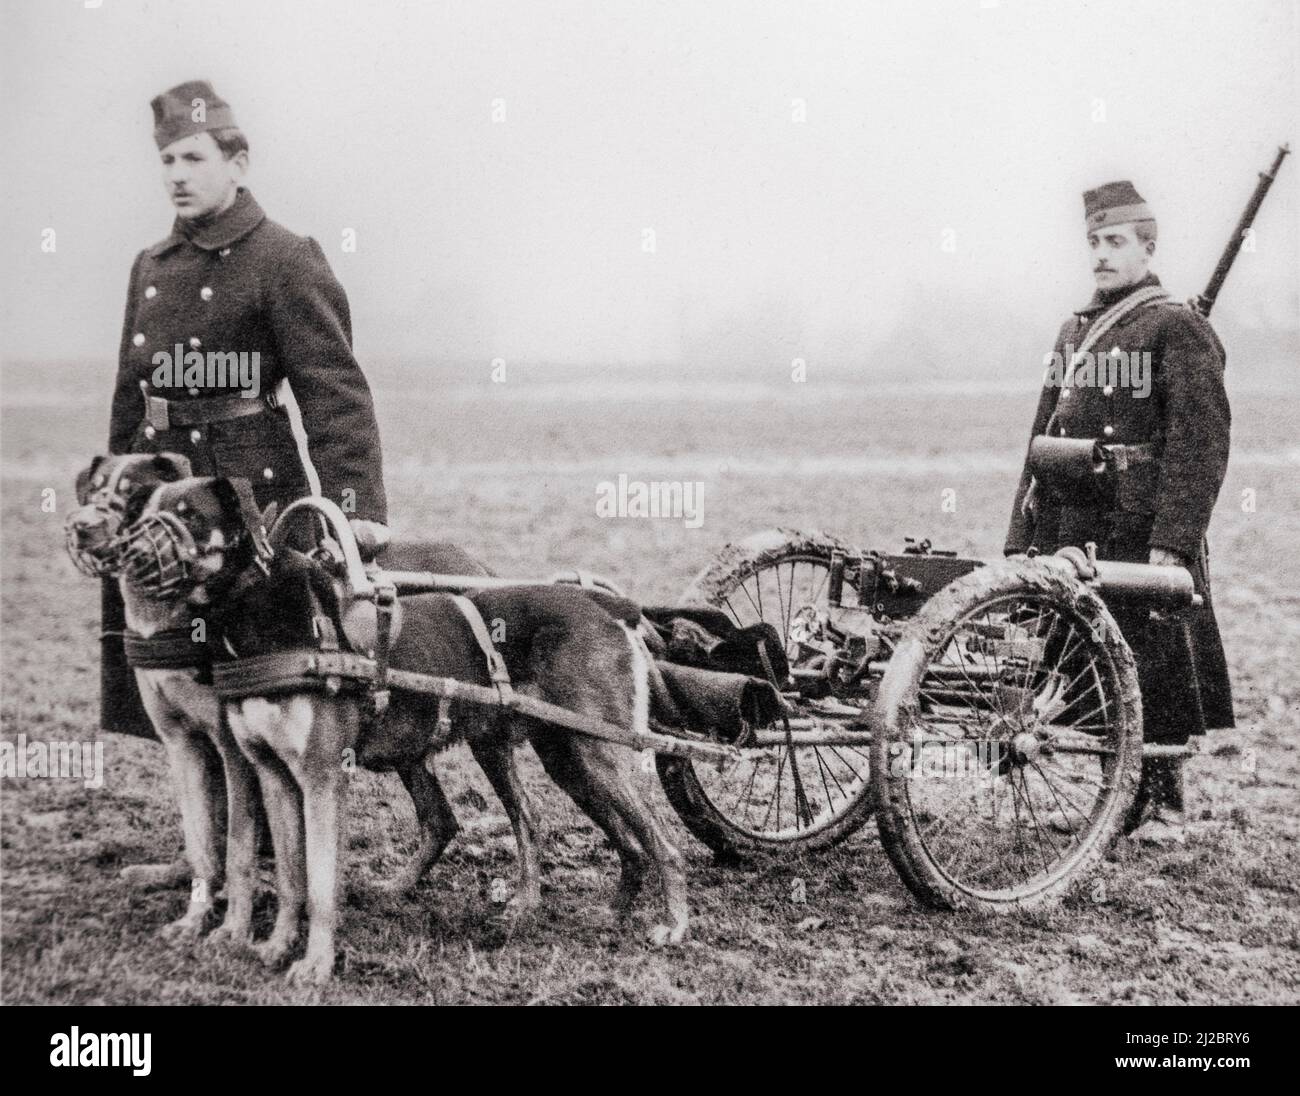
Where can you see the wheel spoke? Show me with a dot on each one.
(751, 794)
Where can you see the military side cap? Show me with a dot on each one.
(1114, 204)
(187, 109)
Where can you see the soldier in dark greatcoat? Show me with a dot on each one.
(218, 315)
(1143, 376)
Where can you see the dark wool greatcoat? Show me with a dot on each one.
(242, 284)
(1165, 503)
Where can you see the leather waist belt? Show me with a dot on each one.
(164, 414)
(173, 649)
(1063, 460)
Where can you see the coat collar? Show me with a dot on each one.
(232, 225)
(1101, 301)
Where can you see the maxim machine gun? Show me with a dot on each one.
(987, 712)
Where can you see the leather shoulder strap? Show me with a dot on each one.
(496, 664)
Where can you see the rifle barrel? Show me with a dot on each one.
(1206, 300)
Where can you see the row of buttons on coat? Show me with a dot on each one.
(195, 341)
(1108, 430)
(1109, 390)
(152, 291)
(196, 436)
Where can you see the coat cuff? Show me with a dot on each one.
(1184, 542)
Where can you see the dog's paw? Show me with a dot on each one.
(228, 937)
(311, 970)
(175, 874)
(666, 935)
(520, 912)
(273, 953)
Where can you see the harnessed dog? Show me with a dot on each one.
(110, 533)
(166, 646)
(300, 704)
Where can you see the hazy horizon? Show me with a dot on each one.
(775, 238)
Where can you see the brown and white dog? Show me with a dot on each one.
(558, 644)
(114, 493)
(213, 783)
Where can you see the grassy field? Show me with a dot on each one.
(510, 471)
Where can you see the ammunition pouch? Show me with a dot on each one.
(1083, 464)
(1059, 462)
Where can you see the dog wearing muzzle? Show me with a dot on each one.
(214, 787)
(557, 644)
(119, 531)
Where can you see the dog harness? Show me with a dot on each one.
(330, 668)
(172, 649)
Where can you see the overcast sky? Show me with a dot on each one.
(968, 122)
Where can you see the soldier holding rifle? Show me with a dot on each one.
(1135, 387)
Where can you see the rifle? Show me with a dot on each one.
(1205, 301)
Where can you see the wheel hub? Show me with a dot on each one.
(1025, 747)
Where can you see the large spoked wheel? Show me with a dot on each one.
(1008, 741)
(779, 799)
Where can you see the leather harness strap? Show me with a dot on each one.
(496, 664)
(1152, 294)
(385, 601)
(173, 649)
(309, 669)
(293, 671)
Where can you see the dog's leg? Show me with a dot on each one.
(241, 840)
(563, 760)
(627, 800)
(325, 728)
(254, 725)
(283, 802)
(437, 821)
(601, 779)
(495, 754)
(195, 774)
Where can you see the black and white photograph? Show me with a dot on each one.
(651, 503)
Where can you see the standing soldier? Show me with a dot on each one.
(217, 315)
(1162, 425)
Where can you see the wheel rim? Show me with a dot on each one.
(1009, 749)
(784, 793)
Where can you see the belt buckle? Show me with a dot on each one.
(1114, 456)
(157, 413)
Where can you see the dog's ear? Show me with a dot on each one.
(172, 467)
(85, 476)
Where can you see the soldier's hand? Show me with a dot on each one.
(1165, 557)
(1030, 502)
(371, 537)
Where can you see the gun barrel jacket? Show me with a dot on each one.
(1155, 378)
